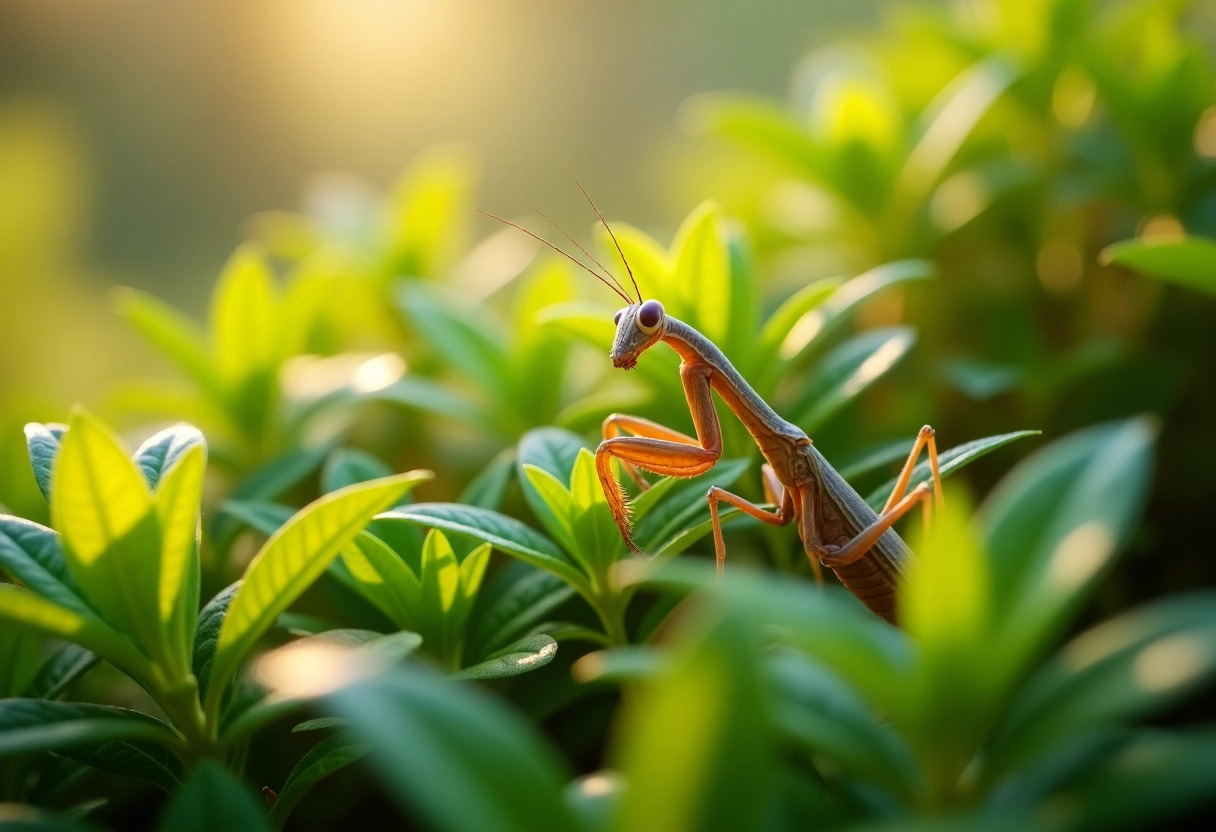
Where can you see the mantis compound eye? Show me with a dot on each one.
(616, 319)
(649, 316)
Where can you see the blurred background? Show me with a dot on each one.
(341, 148)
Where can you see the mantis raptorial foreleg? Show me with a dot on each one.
(620, 423)
(660, 449)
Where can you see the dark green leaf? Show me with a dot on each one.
(323, 759)
(65, 665)
(844, 373)
(1189, 262)
(28, 725)
(348, 466)
(453, 754)
(1126, 668)
(43, 443)
(520, 597)
(208, 632)
(529, 654)
(262, 516)
(488, 488)
(161, 451)
(212, 799)
(1055, 523)
(33, 554)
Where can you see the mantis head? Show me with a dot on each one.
(638, 326)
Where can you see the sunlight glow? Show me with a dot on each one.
(875, 365)
(1080, 555)
(308, 669)
(314, 376)
(1171, 662)
(1205, 134)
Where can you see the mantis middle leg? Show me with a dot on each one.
(774, 492)
(661, 450)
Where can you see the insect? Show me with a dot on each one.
(838, 529)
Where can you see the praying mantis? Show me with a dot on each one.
(836, 526)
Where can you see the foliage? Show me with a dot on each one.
(948, 221)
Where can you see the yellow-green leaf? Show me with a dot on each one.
(23, 607)
(292, 559)
(177, 507)
(100, 494)
(440, 574)
(244, 317)
(702, 273)
(103, 510)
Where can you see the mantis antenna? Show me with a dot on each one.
(569, 257)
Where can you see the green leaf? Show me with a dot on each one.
(43, 443)
(429, 396)
(503, 533)
(142, 759)
(212, 799)
(950, 119)
(31, 552)
(699, 752)
(64, 666)
(350, 466)
(207, 633)
(1125, 668)
(814, 327)
(527, 655)
(177, 507)
(553, 450)
(455, 756)
(847, 371)
(683, 505)
(245, 318)
(262, 516)
(176, 336)
(162, 451)
(702, 271)
(488, 488)
(1156, 777)
(1189, 262)
(511, 604)
(1055, 523)
(103, 508)
(797, 312)
(292, 559)
(321, 724)
(426, 211)
(465, 337)
(828, 624)
(323, 759)
(553, 506)
(382, 577)
(594, 528)
(31, 725)
(948, 462)
(27, 609)
(818, 711)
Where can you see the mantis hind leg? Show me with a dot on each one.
(774, 492)
(926, 438)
